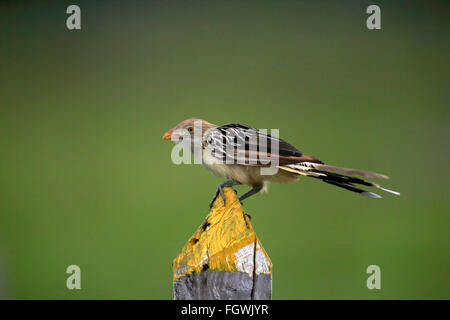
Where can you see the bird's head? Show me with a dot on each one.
(188, 131)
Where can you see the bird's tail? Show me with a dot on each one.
(340, 177)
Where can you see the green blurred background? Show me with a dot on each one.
(85, 178)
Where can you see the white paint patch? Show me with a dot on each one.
(244, 259)
(262, 263)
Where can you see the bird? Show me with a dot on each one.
(239, 152)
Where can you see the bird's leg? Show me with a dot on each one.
(257, 188)
(228, 183)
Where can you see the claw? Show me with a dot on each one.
(220, 191)
(214, 199)
(223, 195)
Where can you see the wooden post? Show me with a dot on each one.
(224, 259)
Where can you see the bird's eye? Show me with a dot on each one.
(190, 129)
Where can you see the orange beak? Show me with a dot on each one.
(167, 135)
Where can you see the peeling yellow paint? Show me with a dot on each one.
(220, 243)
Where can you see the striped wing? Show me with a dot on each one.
(241, 144)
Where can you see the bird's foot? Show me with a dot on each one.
(220, 191)
(213, 199)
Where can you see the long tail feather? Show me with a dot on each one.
(351, 187)
(354, 172)
(323, 172)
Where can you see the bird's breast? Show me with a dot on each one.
(249, 175)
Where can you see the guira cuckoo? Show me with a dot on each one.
(238, 153)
